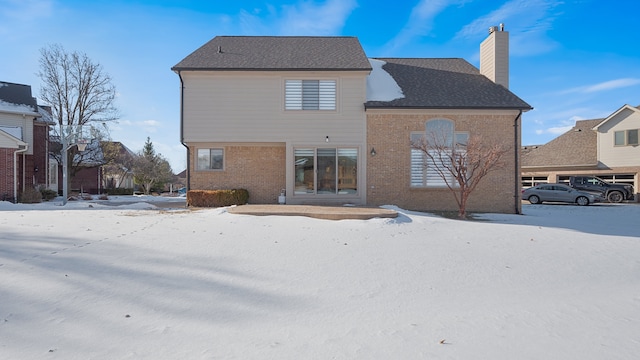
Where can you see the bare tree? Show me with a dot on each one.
(151, 169)
(118, 164)
(461, 162)
(79, 93)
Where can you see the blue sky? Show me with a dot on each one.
(571, 60)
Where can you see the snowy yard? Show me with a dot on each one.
(134, 282)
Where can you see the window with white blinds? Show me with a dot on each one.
(310, 94)
(432, 170)
(417, 162)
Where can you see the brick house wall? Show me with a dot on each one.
(258, 168)
(87, 180)
(40, 153)
(6, 173)
(388, 172)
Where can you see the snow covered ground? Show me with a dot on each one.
(126, 280)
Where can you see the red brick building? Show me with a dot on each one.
(24, 141)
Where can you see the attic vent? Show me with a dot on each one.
(219, 49)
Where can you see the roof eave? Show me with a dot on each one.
(559, 166)
(614, 114)
(176, 69)
(25, 113)
(392, 107)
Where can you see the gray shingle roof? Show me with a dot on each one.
(445, 83)
(277, 53)
(17, 94)
(576, 147)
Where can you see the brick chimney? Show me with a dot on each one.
(494, 56)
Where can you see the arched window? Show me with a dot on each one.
(439, 133)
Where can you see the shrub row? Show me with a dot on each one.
(217, 198)
(118, 191)
(30, 196)
(48, 194)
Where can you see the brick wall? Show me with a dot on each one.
(7, 172)
(259, 169)
(40, 153)
(388, 173)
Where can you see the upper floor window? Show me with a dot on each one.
(310, 94)
(210, 159)
(626, 137)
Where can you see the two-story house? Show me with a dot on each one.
(314, 118)
(607, 148)
(24, 141)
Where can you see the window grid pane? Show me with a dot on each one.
(293, 94)
(347, 171)
(310, 95)
(632, 137)
(417, 161)
(327, 95)
(436, 169)
(618, 138)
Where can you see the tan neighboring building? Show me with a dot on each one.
(316, 120)
(607, 148)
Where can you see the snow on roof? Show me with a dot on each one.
(380, 84)
(15, 131)
(16, 108)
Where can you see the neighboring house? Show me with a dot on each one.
(24, 141)
(607, 148)
(317, 119)
(117, 172)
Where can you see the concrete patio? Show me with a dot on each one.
(315, 211)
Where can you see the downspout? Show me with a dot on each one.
(182, 128)
(15, 171)
(516, 131)
(46, 161)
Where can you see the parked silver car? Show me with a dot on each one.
(558, 193)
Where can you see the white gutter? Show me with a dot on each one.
(15, 171)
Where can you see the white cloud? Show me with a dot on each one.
(420, 21)
(17, 16)
(150, 123)
(302, 18)
(309, 18)
(527, 20)
(25, 10)
(603, 86)
(149, 126)
(612, 84)
(531, 15)
(557, 130)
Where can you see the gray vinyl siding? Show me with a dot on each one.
(249, 107)
(25, 122)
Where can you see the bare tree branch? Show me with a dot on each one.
(461, 166)
(79, 93)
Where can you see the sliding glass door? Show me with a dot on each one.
(326, 171)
